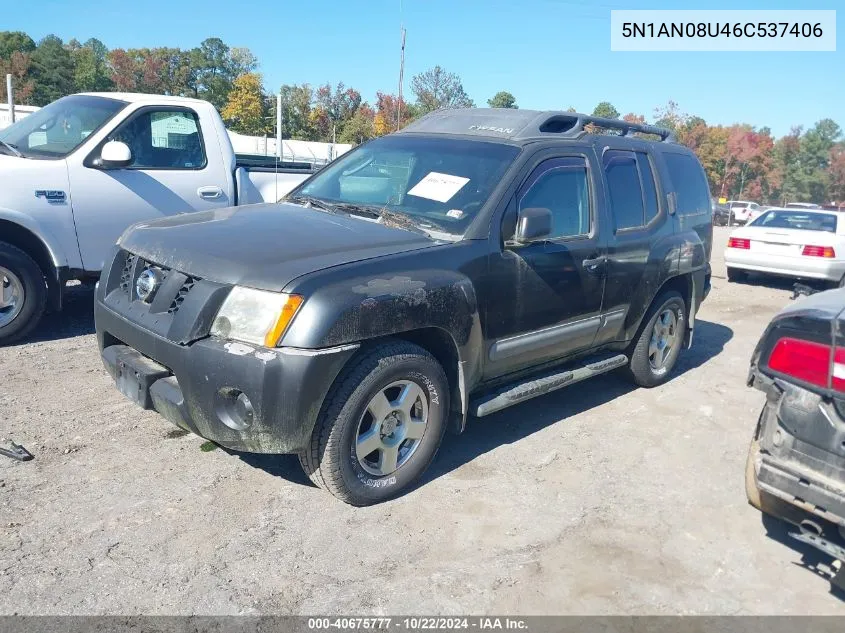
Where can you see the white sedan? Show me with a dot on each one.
(801, 243)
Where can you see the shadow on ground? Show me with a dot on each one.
(812, 559)
(521, 421)
(76, 319)
(780, 283)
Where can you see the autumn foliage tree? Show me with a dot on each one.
(246, 108)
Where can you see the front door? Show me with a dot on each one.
(171, 172)
(546, 297)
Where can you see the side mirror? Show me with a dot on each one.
(533, 224)
(115, 155)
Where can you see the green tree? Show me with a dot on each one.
(90, 67)
(502, 99)
(246, 110)
(814, 158)
(606, 110)
(360, 127)
(15, 41)
(52, 71)
(296, 111)
(437, 89)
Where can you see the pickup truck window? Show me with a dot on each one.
(56, 130)
(690, 185)
(560, 185)
(163, 139)
(436, 182)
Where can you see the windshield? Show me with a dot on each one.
(59, 128)
(797, 220)
(436, 183)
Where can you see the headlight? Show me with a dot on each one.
(255, 316)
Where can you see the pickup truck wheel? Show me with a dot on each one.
(380, 425)
(659, 341)
(23, 293)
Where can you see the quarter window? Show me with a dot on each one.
(561, 185)
(163, 139)
(690, 185)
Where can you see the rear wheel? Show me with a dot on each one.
(23, 293)
(380, 426)
(734, 274)
(659, 342)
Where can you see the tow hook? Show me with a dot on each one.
(17, 452)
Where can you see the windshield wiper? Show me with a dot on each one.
(388, 217)
(311, 201)
(11, 147)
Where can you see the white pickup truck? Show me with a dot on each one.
(77, 173)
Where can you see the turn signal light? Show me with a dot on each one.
(809, 362)
(739, 242)
(819, 251)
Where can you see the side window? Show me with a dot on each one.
(626, 194)
(561, 185)
(163, 139)
(649, 187)
(690, 185)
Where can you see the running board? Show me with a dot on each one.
(546, 383)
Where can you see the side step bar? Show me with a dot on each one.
(545, 383)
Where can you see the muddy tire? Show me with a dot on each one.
(659, 341)
(380, 426)
(757, 498)
(23, 293)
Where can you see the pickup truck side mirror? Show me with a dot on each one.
(533, 224)
(115, 155)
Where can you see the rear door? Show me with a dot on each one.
(639, 221)
(175, 168)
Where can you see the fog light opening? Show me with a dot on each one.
(234, 408)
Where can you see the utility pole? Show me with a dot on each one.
(11, 97)
(279, 152)
(401, 78)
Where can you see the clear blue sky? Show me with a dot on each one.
(549, 53)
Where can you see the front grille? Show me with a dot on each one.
(135, 265)
(184, 289)
(126, 274)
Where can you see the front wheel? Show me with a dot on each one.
(23, 293)
(659, 342)
(380, 426)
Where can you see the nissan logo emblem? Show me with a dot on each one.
(147, 284)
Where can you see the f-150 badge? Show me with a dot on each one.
(51, 196)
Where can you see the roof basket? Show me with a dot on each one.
(575, 124)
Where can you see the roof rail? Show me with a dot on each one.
(577, 123)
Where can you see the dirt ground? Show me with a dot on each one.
(599, 498)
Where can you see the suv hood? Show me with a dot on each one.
(264, 246)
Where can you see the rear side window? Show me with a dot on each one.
(690, 186)
(649, 188)
(623, 182)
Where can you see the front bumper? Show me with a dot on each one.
(188, 384)
(785, 266)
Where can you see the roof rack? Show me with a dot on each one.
(575, 123)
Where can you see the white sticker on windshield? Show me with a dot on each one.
(437, 186)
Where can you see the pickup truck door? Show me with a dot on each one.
(545, 298)
(176, 167)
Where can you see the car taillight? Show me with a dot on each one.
(739, 242)
(809, 362)
(818, 251)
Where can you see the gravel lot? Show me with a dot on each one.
(596, 499)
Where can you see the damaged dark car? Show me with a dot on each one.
(796, 461)
(470, 262)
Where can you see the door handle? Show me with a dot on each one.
(209, 193)
(595, 266)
